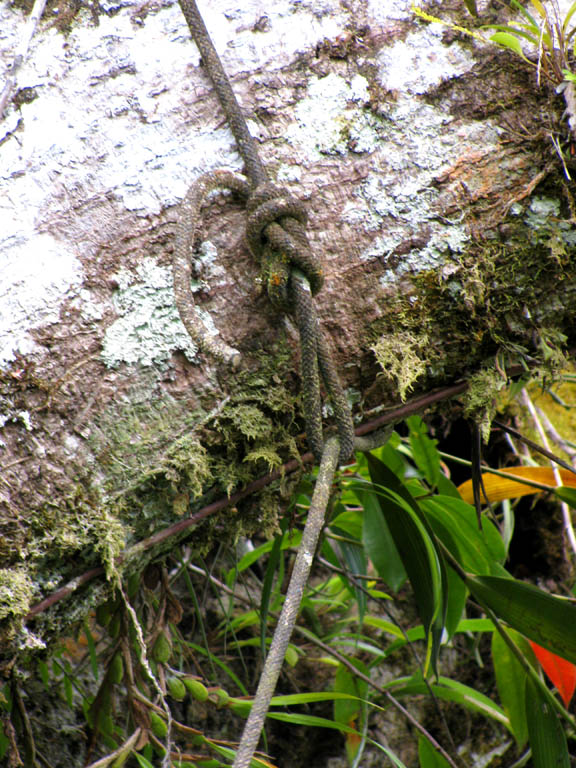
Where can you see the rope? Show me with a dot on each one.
(277, 237)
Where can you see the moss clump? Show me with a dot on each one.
(402, 358)
(481, 399)
(16, 592)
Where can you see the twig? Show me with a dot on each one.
(390, 698)
(566, 514)
(291, 607)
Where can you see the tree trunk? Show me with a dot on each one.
(437, 204)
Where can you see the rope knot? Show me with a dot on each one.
(276, 235)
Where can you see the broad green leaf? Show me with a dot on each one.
(428, 757)
(379, 544)
(506, 40)
(527, 32)
(567, 494)
(355, 558)
(446, 487)
(290, 539)
(519, 7)
(450, 690)
(390, 456)
(455, 523)
(545, 732)
(351, 711)
(511, 682)
(549, 621)
(348, 520)
(568, 16)
(456, 600)
(418, 555)
(539, 8)
(383, 625)
(424, 451)
(142, 761)
(271, 571)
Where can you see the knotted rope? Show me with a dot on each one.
(277, 237)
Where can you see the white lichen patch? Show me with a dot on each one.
(417, 143)
(331, 120)
(148, 329)
(37, 275)
(420, 61)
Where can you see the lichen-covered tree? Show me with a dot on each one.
(439, 205)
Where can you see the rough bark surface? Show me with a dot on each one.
(436, 203)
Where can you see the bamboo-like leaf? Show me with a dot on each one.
(350, 711)
(499, 488)
(424, 451)
(525, 31)
(450, 690)
(549, 621)
(521, 9)
(379, 543)
(271, 571)
(567, 18)
(539, 8)
(506, 40)
(567, 494)
(545, 733)
(454, 522)
(428, 757)
(417, 552)
(511, 682)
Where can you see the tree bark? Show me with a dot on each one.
(437, 205)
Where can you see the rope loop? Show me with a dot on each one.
(276, 235)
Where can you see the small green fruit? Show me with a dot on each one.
(162, 649)
(196, 689)
(158, 725)
(220, 697)
(176, 688)
(116, 668)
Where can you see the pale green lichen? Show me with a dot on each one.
(148, 328)
(402, 358)
(481, 398)
(16, 592)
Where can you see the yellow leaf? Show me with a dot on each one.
(499, 488)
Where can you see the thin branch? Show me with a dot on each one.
(566, 514)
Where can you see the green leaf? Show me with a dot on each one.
(91, 650)
(511, 682)
(455, 523)
(348, 520)
(424, 451)
(567, 494)
(446, 487)
(271, 570)
(545, 732)
(568, 16)
(418, 555)
(449, 690)
(471, 7)
(457, 594)
(506, 40)
(142, 761)
(351, 711)
(549, 621)
(379, 544)
(428, 757)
